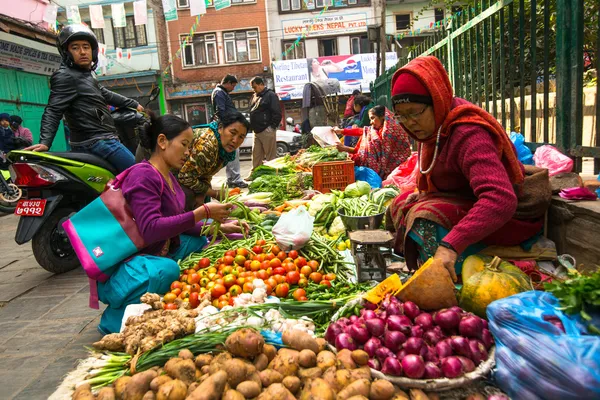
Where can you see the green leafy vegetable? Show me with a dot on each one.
(578, 294)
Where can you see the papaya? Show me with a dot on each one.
(496, 280)
(430, 287)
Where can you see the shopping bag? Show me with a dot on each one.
(293, 229)
(404, 177)
(523, 153)
(553, 160)
(325, 136)
(104, 233)
(541, 353)
(367, 175)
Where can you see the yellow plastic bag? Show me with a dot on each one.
(392, 285)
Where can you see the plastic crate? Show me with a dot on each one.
(334, 175)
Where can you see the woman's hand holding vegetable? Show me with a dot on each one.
(217, 211)
(448, 258)
(235, 227)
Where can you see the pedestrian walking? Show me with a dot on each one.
(265, 116)
(222, 105)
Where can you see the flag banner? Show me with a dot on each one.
(119, 53)
(221, 4)
(118, 15)
(170, 10)
(73, 16)
(50, 13)
(96, 16)
(197, 7)
(140, 12)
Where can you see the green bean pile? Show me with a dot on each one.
(361, 207)
(332, 261)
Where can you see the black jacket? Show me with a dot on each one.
(222, 103)
(79, 96)
(265, 111)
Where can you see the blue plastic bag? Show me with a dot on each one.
(367, 175)
(273, 338)
(535, 358)
(523, 152)
(598, 190)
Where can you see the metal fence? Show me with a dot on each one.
(524, 61)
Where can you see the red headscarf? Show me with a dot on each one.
(430, 74)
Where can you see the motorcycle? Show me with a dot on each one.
(10, 193)
(55, 186)
(128, 121)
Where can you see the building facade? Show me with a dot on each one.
(28, 58)
(314, 40)
(341, 30)
(135, 71)
(232, 41)
(410, 22)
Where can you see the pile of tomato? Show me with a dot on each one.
(234, 273)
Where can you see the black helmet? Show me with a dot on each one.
(76, 32)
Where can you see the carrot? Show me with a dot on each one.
(278, 213)
(279, 208)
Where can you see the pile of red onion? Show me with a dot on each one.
(403, 341)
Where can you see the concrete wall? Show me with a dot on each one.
(28, 10)
(589, 116)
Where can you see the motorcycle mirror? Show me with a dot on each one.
(153, 95)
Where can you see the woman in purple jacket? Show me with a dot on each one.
(157, 203)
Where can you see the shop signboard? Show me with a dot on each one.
(27, 59)
(355, 71)
(327, 25)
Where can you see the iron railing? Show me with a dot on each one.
(523, 61)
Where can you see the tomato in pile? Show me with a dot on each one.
(234, 273)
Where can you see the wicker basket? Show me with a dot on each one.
(441, 384)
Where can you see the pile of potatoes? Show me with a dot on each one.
(251, 369)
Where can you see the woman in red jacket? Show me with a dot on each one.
(382, 146)
(469, 173)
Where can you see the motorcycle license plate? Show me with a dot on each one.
(30, 208)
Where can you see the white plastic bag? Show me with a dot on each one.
(325, 136)
(293, 230)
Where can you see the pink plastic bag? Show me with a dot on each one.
(553, 160)
(577, 193)
(404, 177)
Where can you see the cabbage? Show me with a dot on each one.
(357, 189)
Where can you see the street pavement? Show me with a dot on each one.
(45, 321)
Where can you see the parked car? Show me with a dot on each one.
(287, 142)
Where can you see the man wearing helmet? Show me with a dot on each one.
(76, 94)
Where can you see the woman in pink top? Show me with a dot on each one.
(158, 204)
(16, 123)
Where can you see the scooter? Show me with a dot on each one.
(55, 186)
(9, 193)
